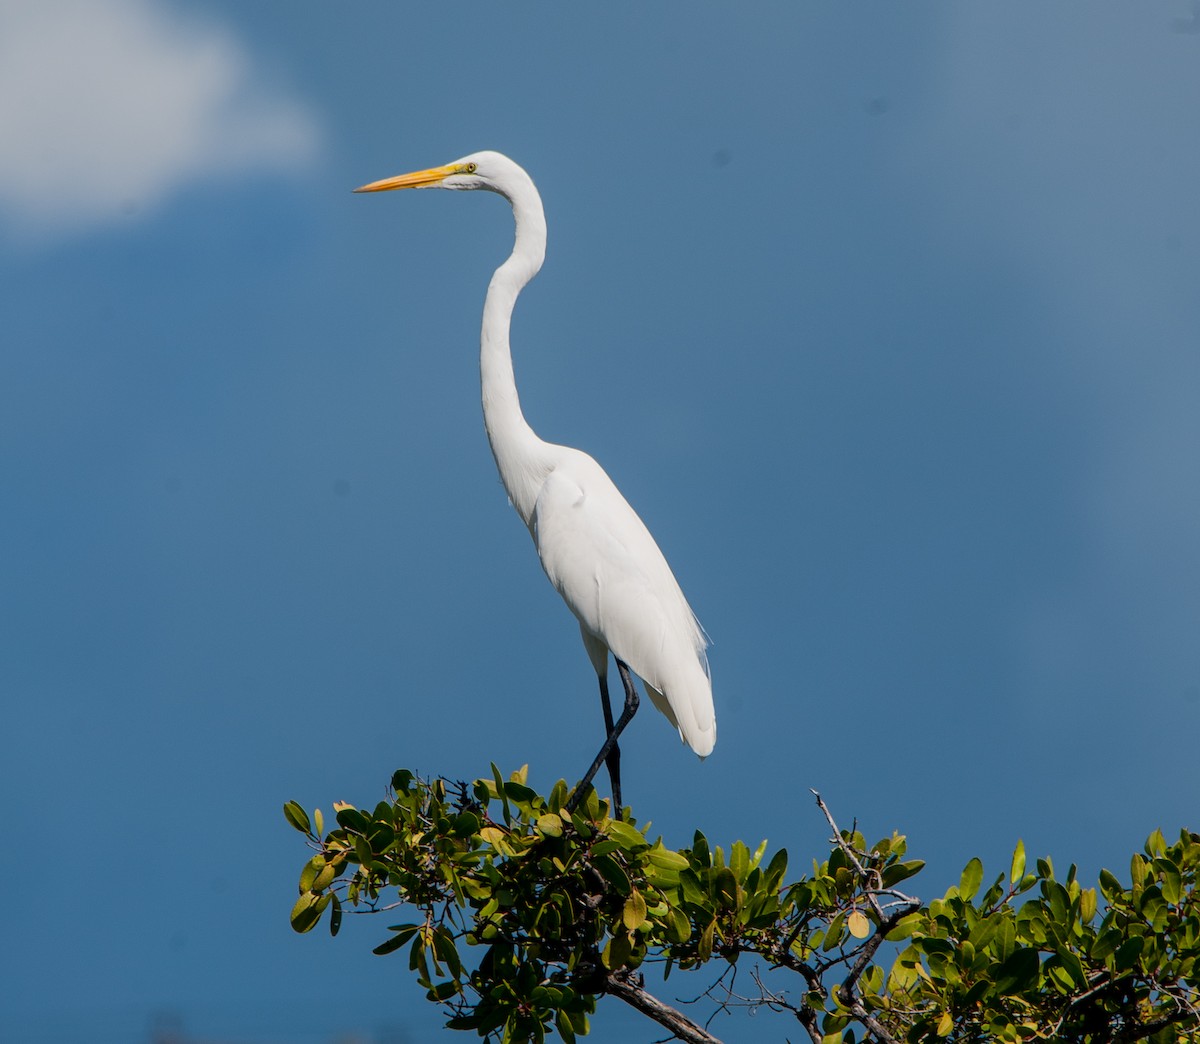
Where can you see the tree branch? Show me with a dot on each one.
(628, 986)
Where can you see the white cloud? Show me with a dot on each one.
(111, 106)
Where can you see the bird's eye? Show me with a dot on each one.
(471, 168)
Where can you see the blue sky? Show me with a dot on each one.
(883, 317)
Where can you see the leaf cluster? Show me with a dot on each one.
(524, 913)
(1036, 957)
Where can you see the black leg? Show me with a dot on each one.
(610, 753)
(613, 761)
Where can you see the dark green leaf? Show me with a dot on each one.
(297, 817)
(335, 916)
(895, 873)
(612, 872)
(1018, 972)
(1127, 954)
(403, 934)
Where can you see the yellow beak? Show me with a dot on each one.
(417, 179)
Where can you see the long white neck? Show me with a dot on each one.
(521, 457)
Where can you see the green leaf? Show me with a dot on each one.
(446, 952)
(1154, 908)
(617, 952)
(896, 872)
(1017, 871)
(634, 912)
(665, 859)
(1006, 938)
(562, 1023)
(352, 819)
(335, 916)
(972, 877)
(500, 793)
(519, 793)
(726, 888)
(1105, 944)
(550, 824)
(776, 868)
(309, 874)
(1137, 870)
(1172, 881)
(404, 933)
(1109, 885)
(1019, 971)
(493, 835)
(628, 837)
(833, 934)
(693, 890)
(307, 912)
(325, 878)
(904, 927)
(1127, 954)
(739, 860)
(612, 872)
(443, 991)
(296, 815)
(1073, 966)
(679, 928)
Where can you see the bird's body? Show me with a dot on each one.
(596, 551)
(602, 559)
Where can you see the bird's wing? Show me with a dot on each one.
(603, 561)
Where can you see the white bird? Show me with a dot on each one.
(597, 552)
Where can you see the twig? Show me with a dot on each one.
(872, 885)
(869, 878)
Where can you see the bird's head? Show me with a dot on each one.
(480, 170)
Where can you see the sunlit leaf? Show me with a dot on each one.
(1017, 870)
(1087, 905)
(666, 859)
(307, 911)
(858, 925)
(634, 912)
(972, 877)
(628, 837)
(551, 824)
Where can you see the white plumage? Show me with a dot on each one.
(597, 552)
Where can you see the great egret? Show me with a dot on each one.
(596, 551)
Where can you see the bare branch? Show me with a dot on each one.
(869, 878)
(629, 987)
